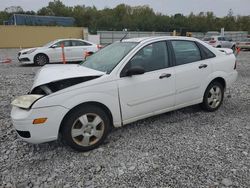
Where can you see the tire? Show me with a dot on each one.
(218, 47)
(41, 59)
(85, 128)
(213, 97)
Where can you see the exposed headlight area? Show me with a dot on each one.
(26, 101)
(55, 86)
(29, 51)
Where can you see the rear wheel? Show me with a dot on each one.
(41, 59)
(213, 97)
(85, 128)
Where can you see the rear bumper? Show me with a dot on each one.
(48, 131)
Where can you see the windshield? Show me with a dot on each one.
(106, 59)
(49, 44)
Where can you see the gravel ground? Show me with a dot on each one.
(184, 148)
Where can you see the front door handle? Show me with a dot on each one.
(165, 75)
(203, 66)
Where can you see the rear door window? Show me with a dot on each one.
(80, 43)
(67, 43)
(186, 52)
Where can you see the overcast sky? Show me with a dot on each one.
(170, 7)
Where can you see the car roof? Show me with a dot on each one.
(70, 39)
(147, 39)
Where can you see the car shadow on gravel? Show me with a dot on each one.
(28, 65)
(116, 133)
(167, 118)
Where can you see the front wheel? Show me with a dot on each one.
(213, 97)
(85, 128)
(41, 59)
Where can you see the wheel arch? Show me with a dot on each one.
(221, 80)
(40, 53)
(94, 103)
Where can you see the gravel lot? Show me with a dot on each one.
(184, 148)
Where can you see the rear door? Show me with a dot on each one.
(191, 71)
(79, 48)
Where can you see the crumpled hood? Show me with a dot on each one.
(51, 73)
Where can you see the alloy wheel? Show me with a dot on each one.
(214, 97)
(88, 129)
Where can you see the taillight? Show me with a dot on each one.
(99, 46)
(212, 41)
(235, 65)
(87, 54)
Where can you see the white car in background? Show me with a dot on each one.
(124, 82)
(220, 42)
(244, 44)
(74, 50)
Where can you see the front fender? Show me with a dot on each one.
(74, 98)
(111, 102)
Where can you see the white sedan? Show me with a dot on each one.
(244, 44)
(220, 42)
(124, 82)
(74, 50)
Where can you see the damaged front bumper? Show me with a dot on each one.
(23, 121)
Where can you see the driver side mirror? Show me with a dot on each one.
(54, 46)
(137, 70)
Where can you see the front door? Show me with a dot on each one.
(55, 54)
(149, 93)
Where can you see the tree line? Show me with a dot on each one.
(136, 18)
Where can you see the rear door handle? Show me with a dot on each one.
(203, 66)
(165, 75)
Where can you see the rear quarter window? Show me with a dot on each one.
(205, 52)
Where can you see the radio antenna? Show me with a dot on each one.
(124, 37)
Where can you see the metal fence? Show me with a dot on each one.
(234, 35)
(108, 37)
